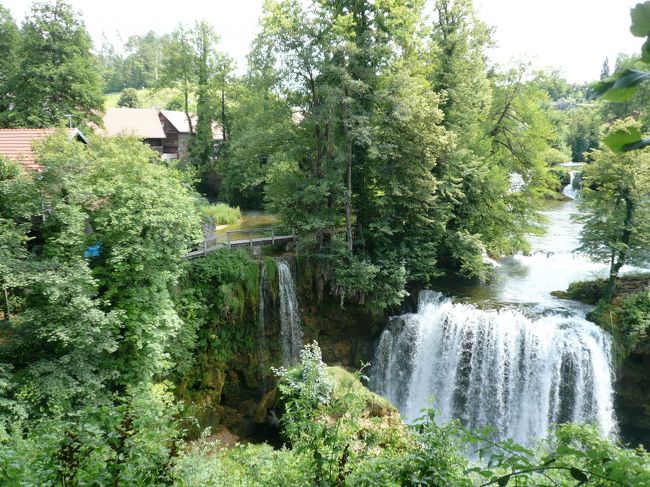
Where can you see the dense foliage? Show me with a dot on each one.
(615, 209)
(48, 71)
(384, 137)
(394, 163)
(93, 245)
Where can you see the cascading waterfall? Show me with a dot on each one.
(261, 309)
(570, 190)
(519, 374)
(261, 327)
(290, 329)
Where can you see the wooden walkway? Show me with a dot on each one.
(255, 237)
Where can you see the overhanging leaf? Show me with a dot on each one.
(579, 475)
(599, 89)
(640, 20)
(503, 481)
(621, 88)
(625, 85)
(619, 139)
(639, 144)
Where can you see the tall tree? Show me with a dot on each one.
(616, 211)
(604, 72)
(57, 74)
(9, 39)
(356, 80)
(179, 67)
(495, 120)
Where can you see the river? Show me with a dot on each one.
(506, 354)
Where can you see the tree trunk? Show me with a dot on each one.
(223, 113)
(7, 307)
(615, 266)
(186, 99)
(348, 200)
(619, 258)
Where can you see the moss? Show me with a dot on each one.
(588, 292)
(345, 382)
(272, 276)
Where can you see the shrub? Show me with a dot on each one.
(222, 214)
(129, 99)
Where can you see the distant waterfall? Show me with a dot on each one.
(570, 190)
(290, 329)
(518, 374)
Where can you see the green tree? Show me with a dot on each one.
(141, 67)
(583, 132)
(211, 68)
(9, 42)
(89, 324)
(500, 129)
(604, 72)
(616, 215)
(178, 67)
(129, 99)
(57, 74)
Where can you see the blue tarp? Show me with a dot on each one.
(93, 251)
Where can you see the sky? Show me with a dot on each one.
(573, 35)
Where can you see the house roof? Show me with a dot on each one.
(140, 122)
(179, 121)
(17, 144)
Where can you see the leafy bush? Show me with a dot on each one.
(222, 214)
(635, 321)
(129, 99)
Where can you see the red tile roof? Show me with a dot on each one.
(18, 144)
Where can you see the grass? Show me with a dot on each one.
(222, 214)
(148, 98)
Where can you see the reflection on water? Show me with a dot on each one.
(251, 220)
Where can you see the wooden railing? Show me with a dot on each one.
(252, 237)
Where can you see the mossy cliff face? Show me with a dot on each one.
(346, 336)
(628, 320)
(220, 376)
(230, 304)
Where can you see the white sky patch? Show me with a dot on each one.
(573, 35)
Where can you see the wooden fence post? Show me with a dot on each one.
(228, 234)
(205, 246)
(272, 235)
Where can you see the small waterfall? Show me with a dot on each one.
(261, 328)
(519, 374)
(571, 190)
(290, 329)
(261, 309)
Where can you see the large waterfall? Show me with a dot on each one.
(289, 317)
(518, 374)
(506, 354)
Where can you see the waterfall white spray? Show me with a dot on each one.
(501, 368)
(570, 190)
(289, 318)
